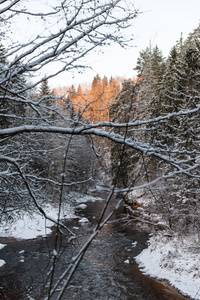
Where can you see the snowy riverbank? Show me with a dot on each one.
(174, 259)
(29, 225)
(170, 257)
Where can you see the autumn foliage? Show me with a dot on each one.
(92, 101)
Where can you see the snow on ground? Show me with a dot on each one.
(79, 198)
(172, 258)
(2, 262)
(83, 220)
(140, 196)
(26, 227)
(29, 226)
(81, 206)
(2, 246)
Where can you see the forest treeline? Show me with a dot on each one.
(93, 100)
(163, 99)
(166, 99)
(164, 86)
(54, 146)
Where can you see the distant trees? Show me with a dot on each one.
(44, 88)
(93, 102)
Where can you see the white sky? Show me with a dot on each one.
(162, 22)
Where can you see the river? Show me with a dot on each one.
(107, 271)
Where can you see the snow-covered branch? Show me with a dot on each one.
(38, 206)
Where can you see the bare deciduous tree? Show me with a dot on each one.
(43, 164)
(35, 153)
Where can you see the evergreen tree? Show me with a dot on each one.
(171, 97)
(97, 94)
(150, 67)
(45, 93)
(72, 93)
(180, 91)
(190, 124)
(105, 83)
(113, 89)
(96, 81)
(44, 88)
(123, 159)
(178, 135)
(142, 60)
(2, 54)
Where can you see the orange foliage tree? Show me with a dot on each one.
(93, 101)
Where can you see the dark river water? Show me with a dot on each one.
(107, 271)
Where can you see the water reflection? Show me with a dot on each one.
(103, 273)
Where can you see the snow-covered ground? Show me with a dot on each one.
(79, 198)
(2, 262)
(30, 225)
(172, 258)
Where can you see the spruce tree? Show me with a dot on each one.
(44, 88)
(181, 84)
(123, 159)
(178, 136)
(45, 93)
(150, 67)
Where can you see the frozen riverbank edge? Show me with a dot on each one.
(170, 257)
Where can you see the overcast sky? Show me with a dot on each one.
(162, 22)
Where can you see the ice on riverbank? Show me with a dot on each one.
(81, 206)
(2, 246)
(174, 259)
